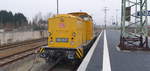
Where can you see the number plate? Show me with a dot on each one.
(61, 39)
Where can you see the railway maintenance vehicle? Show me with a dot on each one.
(69, 34)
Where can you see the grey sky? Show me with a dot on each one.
(94, 7)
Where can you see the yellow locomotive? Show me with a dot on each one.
(68, 35)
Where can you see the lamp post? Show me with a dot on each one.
(105, 17)
(57, 6)
(117, 17)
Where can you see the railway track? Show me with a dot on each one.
(54, 64)
(18, 52)
(14, 45)
(59, 66)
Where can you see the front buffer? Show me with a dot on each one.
(51, 54)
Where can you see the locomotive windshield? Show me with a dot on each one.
(85, 17)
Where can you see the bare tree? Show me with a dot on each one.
(40, 21)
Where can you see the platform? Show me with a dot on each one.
(112, 59)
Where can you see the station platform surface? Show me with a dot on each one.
(118, 60)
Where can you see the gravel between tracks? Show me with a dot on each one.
(29, 63)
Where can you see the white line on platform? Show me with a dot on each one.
(106, 58)
(87, 58)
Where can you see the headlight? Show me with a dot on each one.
(72, 42)
(51, 42)
(51, 39)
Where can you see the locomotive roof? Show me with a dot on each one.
(66, 15)
(79, 13)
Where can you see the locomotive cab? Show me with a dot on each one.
(65, 31)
